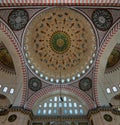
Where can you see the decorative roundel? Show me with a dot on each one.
(107, 117)
(85, 84)
(60, 42)
(18, 19)
(59, 45)
(35, 84)
(102, 19)
(12, 118)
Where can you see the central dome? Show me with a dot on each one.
(59, 45)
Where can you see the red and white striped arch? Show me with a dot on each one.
(60, 2)
(5, 29)
(114, 30)
(51, 89)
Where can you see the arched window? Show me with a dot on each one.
(114, 89)
(54, 105)
(108, 90)
(5, 89)
(11, 91)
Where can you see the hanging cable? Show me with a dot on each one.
(60, 87)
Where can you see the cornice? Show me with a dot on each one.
(58, 117)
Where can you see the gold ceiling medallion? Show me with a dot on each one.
(60, 42)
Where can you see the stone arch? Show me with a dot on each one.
(52, 89)
(12, 45)
(108, 43)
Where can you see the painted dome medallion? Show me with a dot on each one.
(59, 45)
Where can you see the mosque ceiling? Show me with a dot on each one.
(60, 46)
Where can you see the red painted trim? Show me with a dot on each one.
(106, 41)
(61, 2)
(6, 30)
(52, 89)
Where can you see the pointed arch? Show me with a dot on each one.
(53, 89)
(108, 43)
(12, 45)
